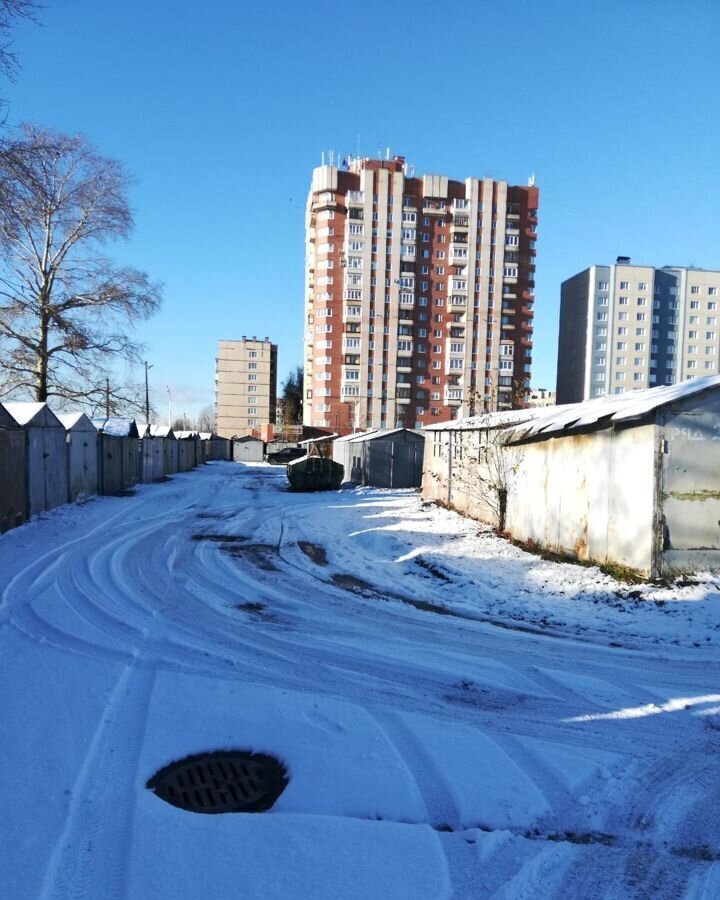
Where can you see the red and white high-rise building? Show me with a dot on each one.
(418, 295)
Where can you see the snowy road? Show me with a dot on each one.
(459, 719)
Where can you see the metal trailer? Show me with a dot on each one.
(315, 473)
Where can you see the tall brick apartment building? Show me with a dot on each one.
(419, 295)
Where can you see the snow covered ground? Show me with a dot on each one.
(459, 719)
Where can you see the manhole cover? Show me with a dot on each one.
(221, 782)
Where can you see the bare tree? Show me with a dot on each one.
(10, 12)
(65, 309)
(206, 419)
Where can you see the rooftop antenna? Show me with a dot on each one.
(322, 156)
(332, 157)
(531, 180)
(387, 153)
(358, 144)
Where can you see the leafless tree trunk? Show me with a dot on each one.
(65, 309)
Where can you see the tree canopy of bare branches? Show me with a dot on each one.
(10, 12)
(65, 309)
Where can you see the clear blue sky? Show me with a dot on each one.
(222, 109)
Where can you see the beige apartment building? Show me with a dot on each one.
(245, 385)
(419, 295)
(624, 327)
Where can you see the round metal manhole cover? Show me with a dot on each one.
(221, 782)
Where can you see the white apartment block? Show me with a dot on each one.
(419, 295)
(245, 385)
(625, 327)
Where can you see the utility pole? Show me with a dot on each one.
(147, 394)
(169, 407)
(107, 398)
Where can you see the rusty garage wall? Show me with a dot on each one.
(589, 495)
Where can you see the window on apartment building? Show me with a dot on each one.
(599, 376)
(692, 335)
(640, 317)
(599, 361)
(712, 291)
(694, 304)
(602, 301)
(712, 305)
(620, 345)
(693, 320)
(252, 365)
(692, 364)
(642, 285)
(620, 360)
(437, 348)
(600, 331)
(695, 289)
(624, 285)
(437, 332)
(692, 349)
(619, 376)
(603, 285)
(252, 388)
(637, 376)
(639, 345)
(709, 335)
(710, 320)
(436, 364)
(422, 301)
(640, 332)
(709, 364)
(622, 301)
(642, 301)
(709, 351)
(601, 316)
(622, 316)
(252, 377)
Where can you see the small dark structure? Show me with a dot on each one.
(170, 447)
(82, 457)
(189, 451)
(284, 456)
(216, 447)
(382, 458)
(315, 473)
(47, 479)
(150, 455)
(13, 473)
(118, 450)
(247, 449)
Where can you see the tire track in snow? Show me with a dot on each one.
(92, 856)
(460, 856)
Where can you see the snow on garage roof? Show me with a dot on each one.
(32, 413)
(609, 410)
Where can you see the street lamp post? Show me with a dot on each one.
(147, 393)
